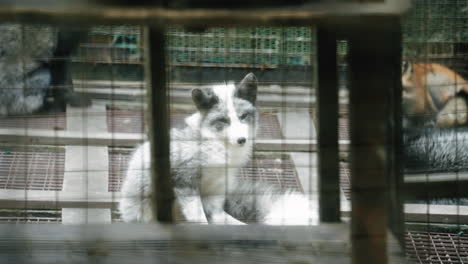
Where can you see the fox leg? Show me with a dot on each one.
(215, 184)
(189, 209)
(214, 209)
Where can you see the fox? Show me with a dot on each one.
(433, 94)
(36, 72)
(206, 157)
(435, 150)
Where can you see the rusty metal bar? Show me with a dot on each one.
(372, 85)
(329, 180)
(158, 122)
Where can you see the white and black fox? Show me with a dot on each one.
(206, 157)
(431, 151)
(34, 60)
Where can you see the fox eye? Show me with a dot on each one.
(223, 120)
(220, 123)
(244, 116)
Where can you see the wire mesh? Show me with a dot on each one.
(435, 37)
(283, 58)
(249, 47)
(435, 31)
(274, 168)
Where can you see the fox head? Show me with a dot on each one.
(226, 112)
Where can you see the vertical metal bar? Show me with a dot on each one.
(158, 122)
(329, 182)
(372, 53)
(394, 126)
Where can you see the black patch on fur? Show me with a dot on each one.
(247, 88)
(220, 121)
(245, 110)
(204, 98)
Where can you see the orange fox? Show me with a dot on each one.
(433, 92)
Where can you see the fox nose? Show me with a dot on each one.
(241, 141)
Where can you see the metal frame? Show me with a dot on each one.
(375, 35)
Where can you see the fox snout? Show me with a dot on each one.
(238, 141)
(241, 141)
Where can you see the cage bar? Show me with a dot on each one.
(208, 240)
(314, 13)
(158, 105)
(327, 105)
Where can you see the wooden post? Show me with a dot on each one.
(329, 181)
(158, 122)
(373, 52)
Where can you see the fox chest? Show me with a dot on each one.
(221, 169)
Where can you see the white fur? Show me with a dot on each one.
(22, 105)
(219, 157)
(236, 129)
(224, 156)
(441, 82)
(135, 204)
(292, 209)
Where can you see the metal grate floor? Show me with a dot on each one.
(343, 128)
(345, 180)
(132, 121)
(32, 170)
(436, 248)
(125, 121)
(274, 168)
(37, 216)
(269, 126)
(343, 121)
(55, 121)
(118, 160)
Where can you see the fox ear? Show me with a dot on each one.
(406, 67)
(247, 88)
(204, 98)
